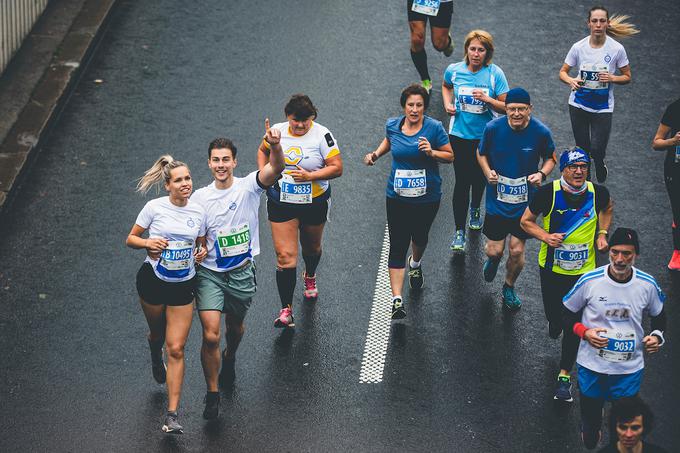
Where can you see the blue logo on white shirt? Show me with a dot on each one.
(232, 206)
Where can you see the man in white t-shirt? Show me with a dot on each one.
(605, 309)
(225, 281)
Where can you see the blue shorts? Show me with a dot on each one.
(608, 386)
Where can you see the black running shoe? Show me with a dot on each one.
(228, 371)
(158, 367)
(415, 276)
(171, 425)
(212, 405)
(398, 310)
(601, 171)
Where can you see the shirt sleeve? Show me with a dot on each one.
(623, 59)
(572, 57)
(440, 136)
(328, 146)
(549, 148)
(576, 298)
(655, 299)
(486, 142)
(448, 75)
(670, 116)
(203, 229)
(501, 85)
(541, 202)
(252, 184)
(145, 216)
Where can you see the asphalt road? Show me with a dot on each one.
(460, 375)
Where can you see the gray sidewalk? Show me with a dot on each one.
(37, 83)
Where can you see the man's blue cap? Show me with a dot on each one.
(572, 155)
(517, 96)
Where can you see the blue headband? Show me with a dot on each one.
(571, 156)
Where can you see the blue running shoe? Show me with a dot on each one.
(490, 269)
(458, 243)
(510, 299)
(563, 391)
(475, 221)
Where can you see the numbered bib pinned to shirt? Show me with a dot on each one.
(410, 183)
(620, 345)
(571, 257)
(294, 192)
(428, 7)
(176, 260)
(233, 241)
(512, 191)
(468, 103)
(590, 74)
(677, 154)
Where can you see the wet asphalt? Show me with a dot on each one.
(461, 374)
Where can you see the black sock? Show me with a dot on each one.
(420, 62)
(285, 282)
(676, 237)
(311, 262)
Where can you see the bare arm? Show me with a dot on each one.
(528, 223)
(604, 220)
(660, 142)
(154, 246)
(381, 150)
(537, 178)
(490, 175)
(447, 98)
(573, 83)
(273, 163)
(621, 79)
(332, 169)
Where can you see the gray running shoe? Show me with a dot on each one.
(171, 425)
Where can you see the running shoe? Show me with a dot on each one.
(510, 299)
(171, 425)
(590, 437)
(227, 372)
(563, 390)
(554, 330)
(285, 318)
(458, 243)
(601, 171)
(449, 49)
(674, 263)
(158, 368)
(475, 221)
(415, 276)
(490, 269)
(427, 84)
(212, 405)
(311, 291)
(398, 310)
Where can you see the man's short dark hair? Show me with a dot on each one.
(221, 143)
(625, 410)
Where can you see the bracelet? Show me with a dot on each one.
(374, 156)
(543, 175)
(579, 330)
(605, 232)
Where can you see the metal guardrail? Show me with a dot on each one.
(17, 17)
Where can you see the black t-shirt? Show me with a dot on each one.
(646, 448)
(542, 201)
(671, 118)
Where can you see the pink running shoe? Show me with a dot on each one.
(311, 291)
(674, 263)
(285, 318)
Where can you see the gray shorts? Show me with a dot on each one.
(230, 292)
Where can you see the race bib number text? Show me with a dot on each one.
(513, 191)
(620, 347)
(295, 192)
(429, 7)
(571, 256)
(233, 241)
(468, 103)
(410, 183)
(590, 74)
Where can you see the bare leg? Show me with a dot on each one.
(210, 349)
(176, 333)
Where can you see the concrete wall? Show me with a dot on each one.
(16, 20)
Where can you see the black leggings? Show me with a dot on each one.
(553, 288)
(671, 172)
(468, 176)
(591, 131)
(408, 222)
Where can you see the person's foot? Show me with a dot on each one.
(212, 405)
(285, 318)
(554, 330)
(563, 390)
(158, 368)
(398, 310)
(228, 371)
(601, 171)
(458, 243)
(427, 84)
(490, 269)
(449, 49)
(590, 437)
(415, 276)
(674, 263)
(171, 425)
(510, 299)
(311, 291)
(475, 219)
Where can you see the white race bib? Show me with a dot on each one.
(468, 103)
(429, 7)
(513, 191)
(294, 192)
(590, 74)
(410, 183)
(177, 256)
(621, 345)
(233, 241)
(571, 257)
(677, 154)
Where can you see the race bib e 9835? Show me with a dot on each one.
(294, 192)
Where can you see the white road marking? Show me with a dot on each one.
(378, 336)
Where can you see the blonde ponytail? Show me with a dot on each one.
(159, 172)
(619, 27)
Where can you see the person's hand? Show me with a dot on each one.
(480, 95)
(601, 243)
(605, 77)
(535, 179)
(271, 136)
(492, 177)
(450, 108)
(554, 240)
(155, 245)
(676, 139)
(424, 146)
(651, 343)
(300, 175)
(200, 253)
(370, 158)
(575, 83)
(593, 337)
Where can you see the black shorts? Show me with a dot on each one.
(441, 20)
(497, 228)
(315, 213)
(155, 291)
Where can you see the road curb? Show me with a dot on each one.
(32, 127)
